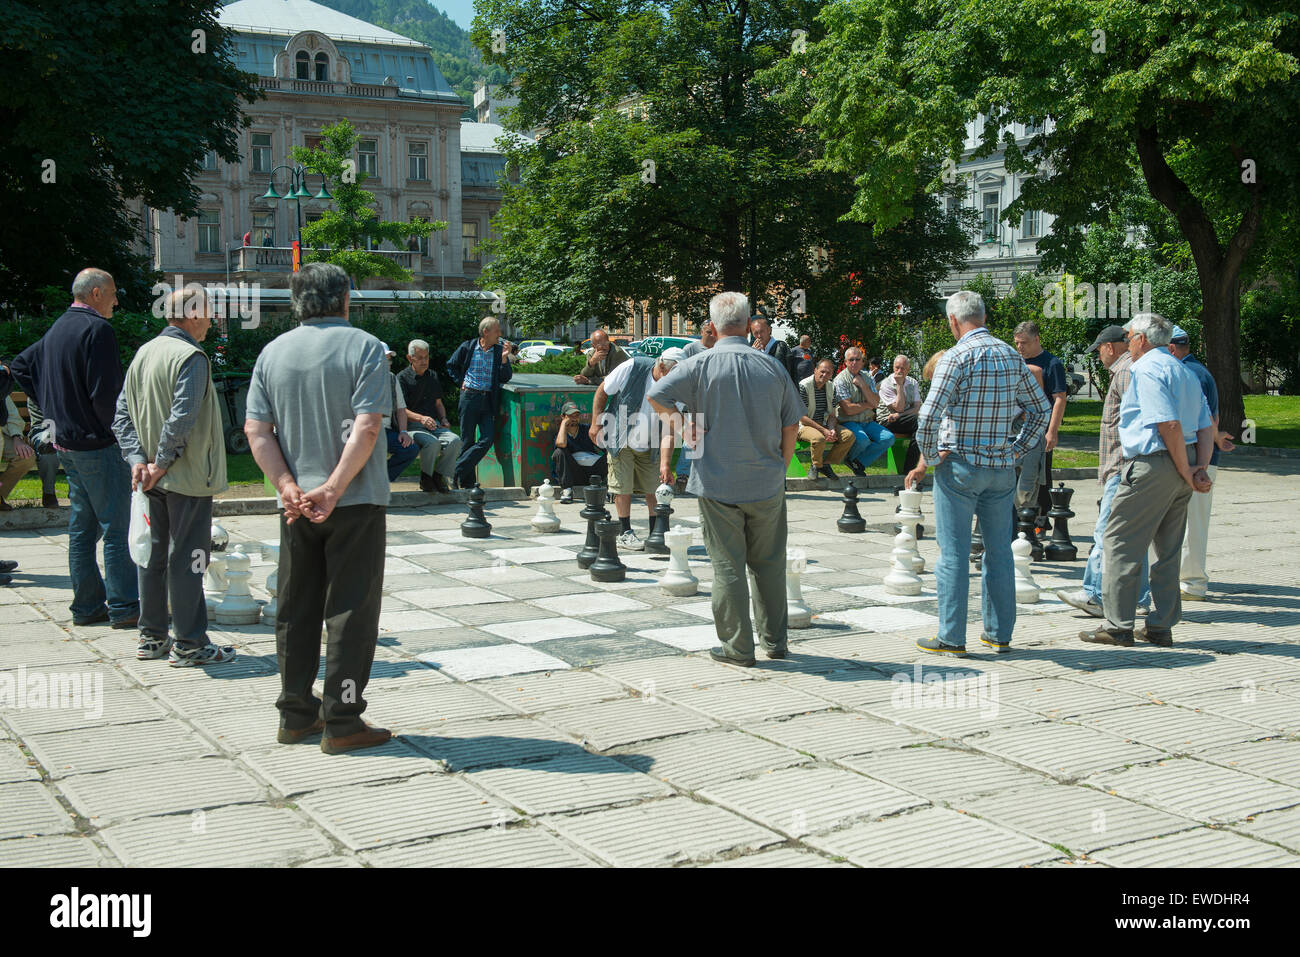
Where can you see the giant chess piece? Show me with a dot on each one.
(678, 580)
(909, 513)
(272, 607)
(237, 605)
(976, 542)
(654, 543)
(1026, 587)
(214, 576)
(546, 521)
(914, 556)
(607, 567)
(902, 580)
(593, 510)
(1060, 548)
(1026, 525)
(798, 613)
(476, 526)
(851, 521)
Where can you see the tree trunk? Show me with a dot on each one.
(1221, 321)
(733, 255)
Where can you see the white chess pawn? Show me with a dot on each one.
(238, 606)
(272, 607)
(546, 521)
(1021, 555)
(214, 576)
(902, 580)
(798, 613)
(678, 580)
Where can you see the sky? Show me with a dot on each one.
(462, 11)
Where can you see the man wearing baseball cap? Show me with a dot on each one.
(1195, 581)
(576, 458)
(1111, 346)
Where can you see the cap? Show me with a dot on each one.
(569, 408)
(1180, 336)
(1109, 334)
(387, 351)
(672, 354)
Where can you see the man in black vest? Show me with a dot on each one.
(480, 367)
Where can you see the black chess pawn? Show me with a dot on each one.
(654, 543)
(607, 567)
(593, 510)
(1060, 548)
(1026, 522)
(976, 542)
(851, 521)
(476, 526)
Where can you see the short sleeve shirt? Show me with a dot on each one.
(422, 392)
(1053, 372)
(889, 391)
(1160, 389)
(1209, 389)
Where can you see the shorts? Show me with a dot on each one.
(631, 471)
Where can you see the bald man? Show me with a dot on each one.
(605, 358)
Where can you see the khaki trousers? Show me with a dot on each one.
(815, 438)
(751, 535)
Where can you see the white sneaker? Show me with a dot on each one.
(629, 542)
(1080, 600)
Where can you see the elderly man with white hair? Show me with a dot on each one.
(631, 432)
(966, 428)
(1167, 436)
(749, 411)
(439, 445)
(480, 367)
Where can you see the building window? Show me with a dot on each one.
(261, 152)
(263, 229)
(469, 240)
(1031, 224)
(209, 231)
(992, 201)
(418, 243)
(368, 157)
(209, 164)
(417, 155)
(311, 142)
(303, 61)
(322, 68)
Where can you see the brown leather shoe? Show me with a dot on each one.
(1104, 636)
(290, 736)
(125, 623)
(427, 483)
(369, 738)
(1161, 639)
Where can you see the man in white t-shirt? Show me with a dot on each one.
(900, 404)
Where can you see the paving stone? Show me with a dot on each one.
(594, 605)
(882, 619)
(1202, 847)
(415, 709)
(16, 766)
(691, 761)
(1061, 698)
(610, 723)
(366, 816)
(652, 675)
(533, 694)
(418, 620)
(781, 857)
(834, 734)
(932, 837)
(1277, 760)
(1279, 827)
(446, 597)
(591, 652)
(107, 748)
(1202, 791)
(157, 674)
(52, 648)
(685, 637)
(568, 782)
(1077, 818)
(294, 769)
(235, 732)
(238, 836)
(968, 709)
(437, 639)
(115, 706)
(1066, 752)
(661, 833)
(804, 800)
(541, 629)
(1262, 709)
(940, 774)
(547, 586)
(155, 789)
(51, 852)
(28, 808)
(481, 615)
(531, 555)
(511, 847)
(1172, 729)
(496, 576)
(757, 701)
(486, 742)
(332, 862)
(492, 661)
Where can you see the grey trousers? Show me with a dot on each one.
(439, 450)
(750, 535)
(1149, 509)
(1033, 473)
(180, 533)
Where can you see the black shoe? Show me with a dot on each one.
(827, 472)
(427, 483)
(777, 653)
(95, 619)
(1161, 639)
(857, 468)
(1104, 636)
(7, 566)
(440, 484)
(717, 654)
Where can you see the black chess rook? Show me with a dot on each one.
(1060, 548)
(593, 510)
(607, 567)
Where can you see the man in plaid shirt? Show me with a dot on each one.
(980, 386)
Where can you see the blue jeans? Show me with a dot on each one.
(399, 458)
(99, 488)
(873, 440)
(477, 417)
(1093, 572)
(962, 491)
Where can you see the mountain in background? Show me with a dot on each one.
(456, 56)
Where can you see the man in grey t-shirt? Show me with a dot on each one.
(750, 410)
(315, 409)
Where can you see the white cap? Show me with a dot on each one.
(672, 354)
(387, 351)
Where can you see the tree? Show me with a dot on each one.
(339, 236)
(101, 104)
(668, 171)
(1190, 93)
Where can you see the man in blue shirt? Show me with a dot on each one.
(480, 367)
(1036, 469)
(1195, 581)
(1166, 435)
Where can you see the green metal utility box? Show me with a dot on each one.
(525, 428)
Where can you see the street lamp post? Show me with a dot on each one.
(297, 189)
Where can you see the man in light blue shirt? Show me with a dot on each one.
(1166, 435)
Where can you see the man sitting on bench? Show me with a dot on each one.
(900, 401)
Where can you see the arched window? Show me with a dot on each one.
(322, 67)
(304, 65)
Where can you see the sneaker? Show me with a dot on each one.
(999, 647)
(1104, 636)
(151, 648)
(857, 469)
(629, 542)
(1081, 600)
(207, 655)
(1143, 610)
(937, 647)
(566, 496)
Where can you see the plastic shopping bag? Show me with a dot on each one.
(138, 538)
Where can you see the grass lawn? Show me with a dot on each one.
(1277, 419)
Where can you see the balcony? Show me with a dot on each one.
(325, 88)
(279, 259)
